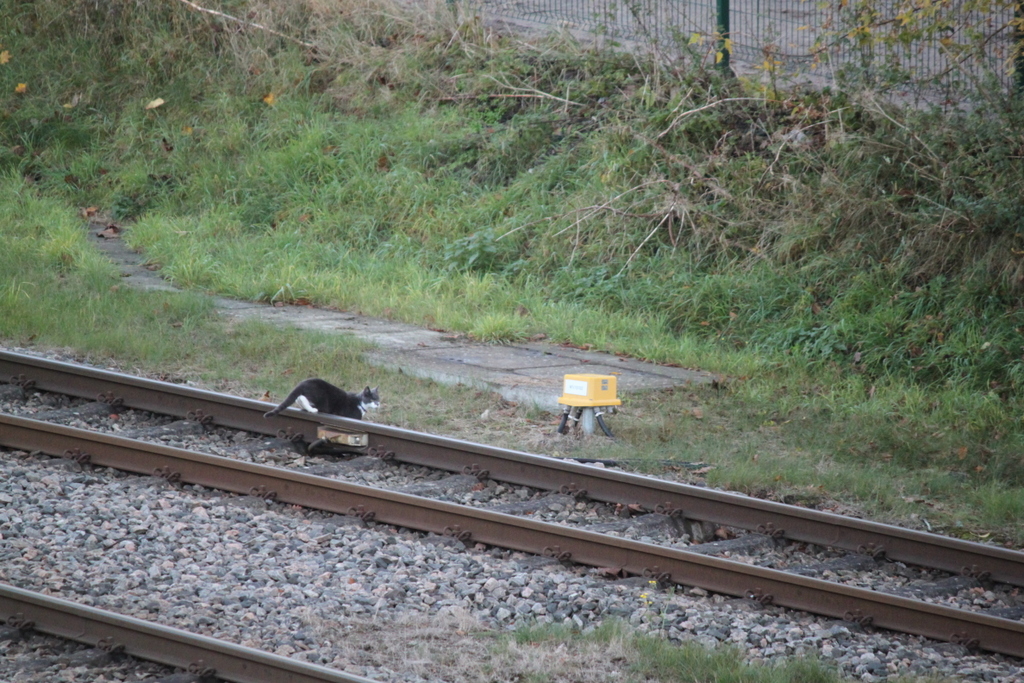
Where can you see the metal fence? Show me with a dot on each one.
(800, 36)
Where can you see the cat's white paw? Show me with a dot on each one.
(306, 405)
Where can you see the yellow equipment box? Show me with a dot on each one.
(589, 391)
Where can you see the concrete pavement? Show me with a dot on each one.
(522, 372)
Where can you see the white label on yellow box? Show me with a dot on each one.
(575, 387)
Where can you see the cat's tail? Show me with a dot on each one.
(290, 399)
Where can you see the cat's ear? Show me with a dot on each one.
(367, 389)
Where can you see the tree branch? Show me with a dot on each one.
(247, 23)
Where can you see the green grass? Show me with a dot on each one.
(859, 295)
(557, 651)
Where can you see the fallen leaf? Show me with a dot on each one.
(5, 57)
(110, 232)
(89, 211)
(187, 130)
(961, 452)
(153, 104)
(270, 99)
(612, 572)
(21, 88)
(697, 413)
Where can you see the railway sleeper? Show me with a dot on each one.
(11, 392)
(528, 507)
(457, 483)
(1011, 613)
(743, 545)
(851, 562)
(12, 634)
(176, 428)
(364, 463)
(265, 444)
(935, 589)
(654, 522)
(94, 409)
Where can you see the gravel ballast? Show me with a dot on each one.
(292, 581)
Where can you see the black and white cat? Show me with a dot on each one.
(317, 396)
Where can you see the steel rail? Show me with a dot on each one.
(507, 531)
(156, 643)
(721, 507)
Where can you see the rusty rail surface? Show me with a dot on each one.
(507, 531)
(198, 654)
(730, 509)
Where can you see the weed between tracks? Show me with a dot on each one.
(546, 654)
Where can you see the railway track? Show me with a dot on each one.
(667, 564)
(111, 634)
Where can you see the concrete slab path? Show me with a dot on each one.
(521, 372)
